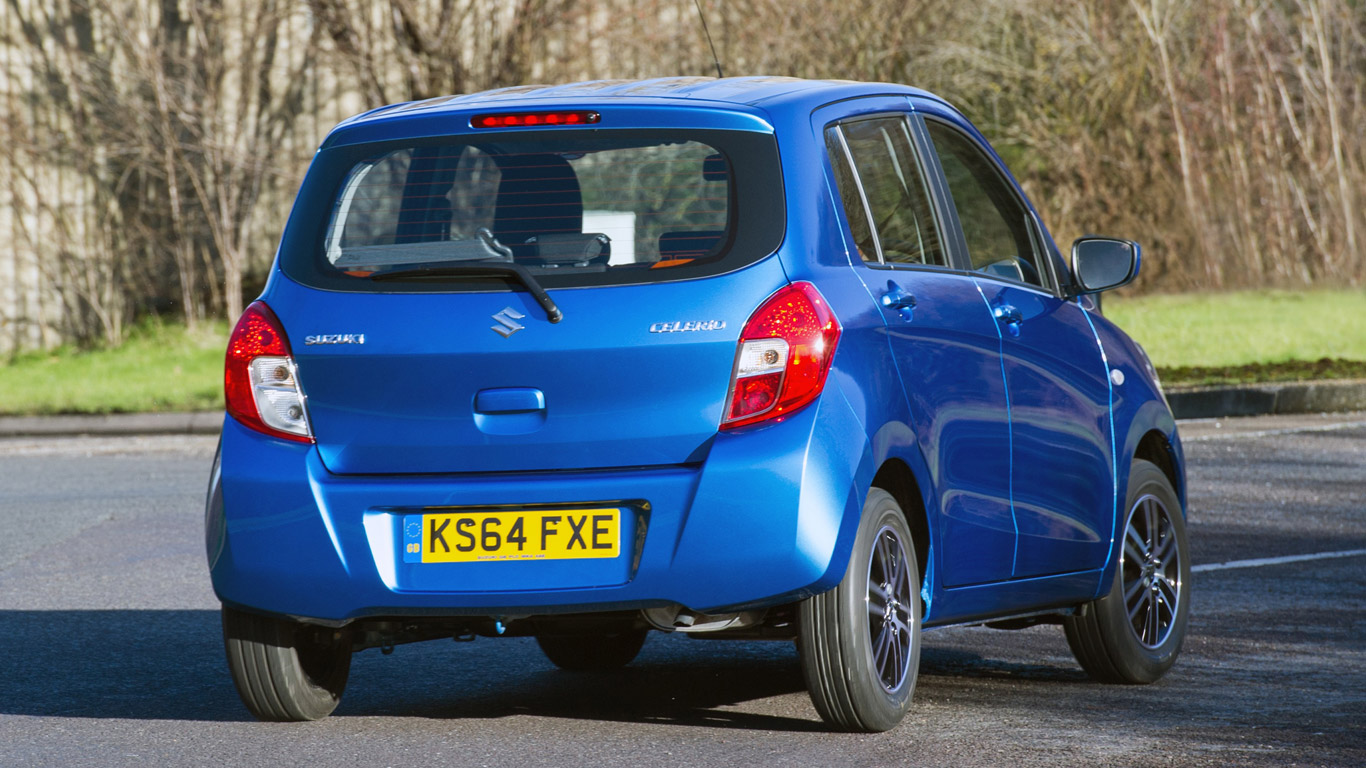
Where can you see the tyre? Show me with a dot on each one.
(585, 652)
(285, 671)
(1133, 634)
(859, 643)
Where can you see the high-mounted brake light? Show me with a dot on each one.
(784, 356)
(260, 380)
(529, 119)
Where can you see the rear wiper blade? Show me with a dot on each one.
(518, 271)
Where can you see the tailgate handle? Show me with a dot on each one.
(509, 400)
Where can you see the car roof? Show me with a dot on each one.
(776, 97)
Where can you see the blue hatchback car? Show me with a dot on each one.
(755, 357)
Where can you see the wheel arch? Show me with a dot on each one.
(1154, 447)
(1152, 435)
(896, 478)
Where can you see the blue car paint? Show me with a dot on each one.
(963, 426)
(755, 517)
(977, 535)
(949, 361)
(1139, 410)
(644, 113)
(1061, 465)
(1049, 357)
(328, 549)
(415, 415)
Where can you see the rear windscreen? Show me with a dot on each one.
(573, 207)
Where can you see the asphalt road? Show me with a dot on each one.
(110, 653)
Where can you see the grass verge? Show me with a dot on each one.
(161, 367)
(1251, 329)
(1263, 373)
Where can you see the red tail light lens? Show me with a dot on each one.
(784, 356)
(529, 119)
(260, 381)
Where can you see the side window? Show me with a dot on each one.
(995, 222)
(885, 168)
(850, 197)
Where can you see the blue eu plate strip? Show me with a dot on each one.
(412, 538)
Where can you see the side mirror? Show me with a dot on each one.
(1102, 263)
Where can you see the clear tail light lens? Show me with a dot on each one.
(260, 380)
(784, 356)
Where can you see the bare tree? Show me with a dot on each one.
(441, 47)
(181, 113)
(152, 149)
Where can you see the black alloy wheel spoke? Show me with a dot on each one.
(890, 621)
(1151, 568)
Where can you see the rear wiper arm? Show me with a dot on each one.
(518, 271)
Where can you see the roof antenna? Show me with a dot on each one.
(707, 32)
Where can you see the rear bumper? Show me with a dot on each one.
(767, 518)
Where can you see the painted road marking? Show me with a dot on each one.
(1258, 562)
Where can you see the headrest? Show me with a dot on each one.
(538, 194)
(714, 168)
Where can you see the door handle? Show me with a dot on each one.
(1008, 316)
(509, 400)
(899, 299)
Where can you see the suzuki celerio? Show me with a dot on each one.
(757, 357)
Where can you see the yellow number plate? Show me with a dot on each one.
(560, 534)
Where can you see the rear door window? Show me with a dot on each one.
(884, 193)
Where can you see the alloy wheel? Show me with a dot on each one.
(1151, 564)
(890, 617)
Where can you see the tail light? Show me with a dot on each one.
(260, 381)
(784, 357)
